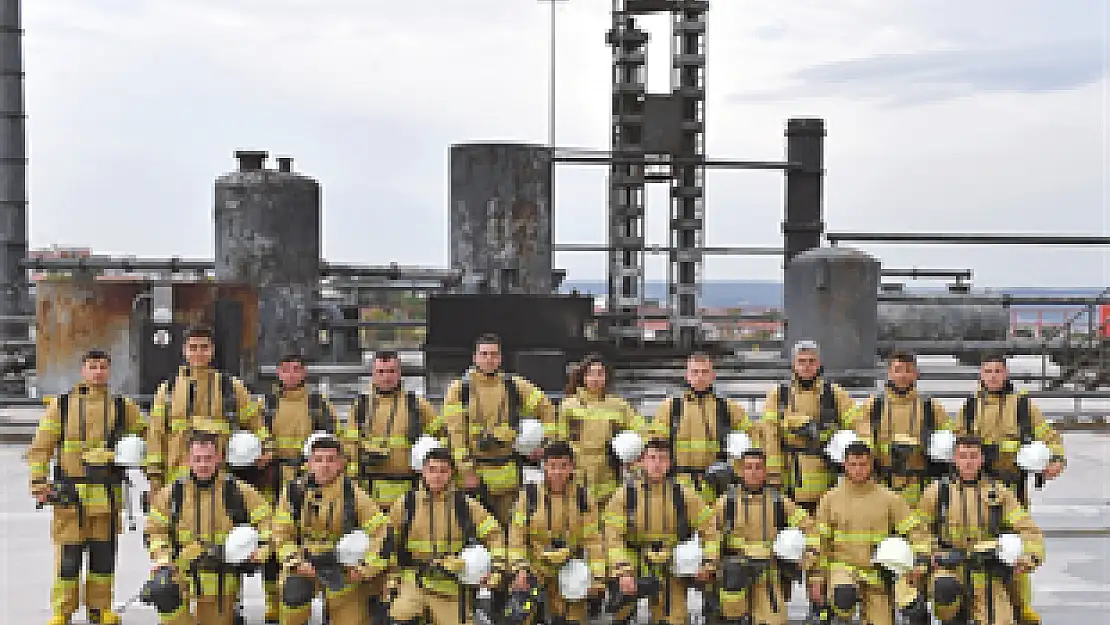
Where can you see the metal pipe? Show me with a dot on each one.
(914, 272)
(667, 249)
(1003, 299)
(968, 238)
(714, 163)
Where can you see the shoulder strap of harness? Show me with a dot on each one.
(678, 404)
(724, 425)
(63, 423)
(682, 521)
(413, 407)
(234, 503)
(583, 499)
(269, 410)
(970, 407)
(730, 510)
(512, 397)
(462, 516)
(1024, 419)
(177, 499)
(877, 416)
(779, 507)
(928, 421)
(829, 413)
(630, 505)
(362, 403)
(531, 501)
(401, 546)
(321, 420)
(350, 511)
(119, 420)
(944, 495)
(230, 401)
(784, 398)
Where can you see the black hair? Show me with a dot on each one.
(439, 453)
(487, 339)
(297, 358)
(754, 452)
(200, 331)
(857, 448)
(558, 449)
(577, 377)
(659, 443)
(326, 442)
(96, 354)
(994, 356)
(203, 437)
(903, 356)
(968, 440)
(386, 355)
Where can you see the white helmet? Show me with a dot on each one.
(737, 443)
(1010, 548)
(942, 444)
(476, 564)
(352, 548)
(529, 436)
(240, 544)
(687, 557)
(1033, 457)
(894, 554)
(790, 544)
(130, 451)
(420, 448)
(243, 449)
(627, 445)
(575, 580)
(531, 475)
(839, 443)
(306, 451)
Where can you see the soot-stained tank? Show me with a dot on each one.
(267, 227)
(931, 321)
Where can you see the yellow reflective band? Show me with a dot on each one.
(388, 491)
(1009, 446)
(695, 445)
(486, 527)
(158, 410)
(453, 410)
(618, 555)
(1016, 515)
(533, 401)
(157, 516)
(375, 522)
(858, 537)
(905, 524)
(498, 478)
(616, 520)
(50, 425)
(70, 447)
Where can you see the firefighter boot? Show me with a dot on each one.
(1025, 610)
(104, 617)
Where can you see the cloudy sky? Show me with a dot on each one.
(984, 116)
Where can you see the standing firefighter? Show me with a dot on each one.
(487, 411)
(328, 534)
(697, 423)
(292, 413)
(444, 542)
(803, 416)
(204, 527)
(899, 423)
(1017, 442)
(81, 432)
(200, 397)
(650, 524)
(755, 559)
(555, 541)
(976, 523)
(589, 417)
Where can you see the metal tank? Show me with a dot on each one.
(500, 214)
(267, 227)
(831, 296)
(930, 321)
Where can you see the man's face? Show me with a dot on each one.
(96, 371)
(595, 377)
(557, 472)
(204, 459)
(436, 474)
(487, 357)
(656, 463)
(325, 465)
(699, 374)
(968, 460)
(806, 364)
(386, 375)
(753, 472)
(858, 468)
(291, 373)
(994, 375)
(199, 351)
(903, 375)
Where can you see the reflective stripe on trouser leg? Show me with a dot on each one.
(100, 575)
(65, 595)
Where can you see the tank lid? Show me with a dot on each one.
(251, 160)
(285, 164)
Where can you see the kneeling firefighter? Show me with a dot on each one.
(82, 431)
(984, 541)
(328, 534)
(756, 554)
(444, 544)
(204, 529)
(653, 551)
(555, 542)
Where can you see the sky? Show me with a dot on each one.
(987, 118)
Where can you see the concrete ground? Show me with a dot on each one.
(1073, 586)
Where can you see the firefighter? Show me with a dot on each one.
(697, 424)
(433, 529)
(291, 413)
(752, 577)
(898, 422)
(484, 412)
(647, 524)
(798, 420)
(328, 534)
(967, 514)
(589, 417)
(555, 528)
(1006, 419)
(80, 432)
(191, 525)
(198, 396)
(853, 519)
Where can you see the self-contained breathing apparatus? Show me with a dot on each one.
(723, 426)
(741, 571)
(271, 474)
(374, 451)
(904, 450)
(993, 454)
(306, 492)
(806, 436)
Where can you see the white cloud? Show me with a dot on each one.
(135, 106)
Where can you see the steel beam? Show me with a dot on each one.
(966, 238)
(666, 249)
(1002, 299)
(914, 272)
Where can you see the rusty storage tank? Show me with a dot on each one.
(831, 296)
(948, 321)
(500, 214)
(267, 227)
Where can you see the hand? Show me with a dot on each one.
(536, 454)
(1054, 469)
(704, 574)
(627, 584)
(914, 576)
(265, 459)
(520, 582)
(306, 569)
(484, 581)
(815, 592)
(41, 496)
(470, 480)
(256, 557)
(354, 574)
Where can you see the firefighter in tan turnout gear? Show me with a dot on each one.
(648, 525)
(486, 411)
(982, 540)
(82, 432)
(204, 529)
(328, 534)
(291, 414)
(1014, 433)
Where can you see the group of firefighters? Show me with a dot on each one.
(505, 507)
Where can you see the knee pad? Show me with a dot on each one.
(69, 564)
(102, 557)
(844, 597)
(162, 592)
(297, 591)
(946, 591)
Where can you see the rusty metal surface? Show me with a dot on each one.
(500, 212)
